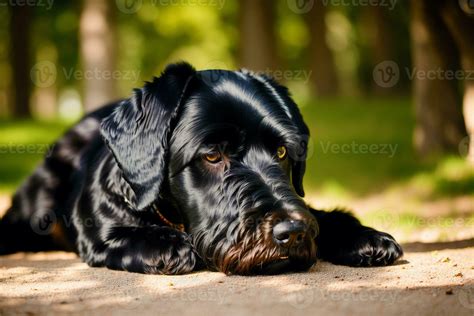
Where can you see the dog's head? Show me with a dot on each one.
(226, 150)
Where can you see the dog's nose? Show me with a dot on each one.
(289, 232)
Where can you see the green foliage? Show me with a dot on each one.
(384, 124)
(159, 34)
(454, 176)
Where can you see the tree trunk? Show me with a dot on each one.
(460, 25)
(258, 48)
(381, 42)
(440, 125)
(321, 60)
(20, 60)
(98, 52)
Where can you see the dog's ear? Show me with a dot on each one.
(299, 151)
(297, 172)
(138, 131)
(299, 148)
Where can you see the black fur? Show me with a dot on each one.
(112, 187)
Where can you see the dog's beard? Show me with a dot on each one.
(249, 248)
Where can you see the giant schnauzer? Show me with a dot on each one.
(198, 169)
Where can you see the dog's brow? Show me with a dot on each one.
(273, 92)
(252, 98)
(229, 87)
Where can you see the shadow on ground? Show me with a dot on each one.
(426, 247)
(426, 284)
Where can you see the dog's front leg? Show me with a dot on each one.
(342, 239)
(151, 249)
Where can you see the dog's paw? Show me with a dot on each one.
(154, 250)
(177, 257)
(373, 248)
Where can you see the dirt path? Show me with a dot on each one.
(432, 279)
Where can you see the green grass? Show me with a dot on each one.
(23, 145)
(386, 125)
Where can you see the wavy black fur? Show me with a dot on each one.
(98, 190)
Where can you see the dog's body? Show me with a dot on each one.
(197, 169)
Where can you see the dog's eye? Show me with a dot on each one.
(213, 156)
(281, 152)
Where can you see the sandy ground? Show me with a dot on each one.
(434, 279)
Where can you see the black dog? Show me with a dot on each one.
(196, 169)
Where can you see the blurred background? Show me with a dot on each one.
(386, 86)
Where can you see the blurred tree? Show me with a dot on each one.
(381, 43)
(258, 48)
(5, 80)
(20, 19)
(321, 59)
(98, 43)
(440, 125)
(382, 35)
(461, 26)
